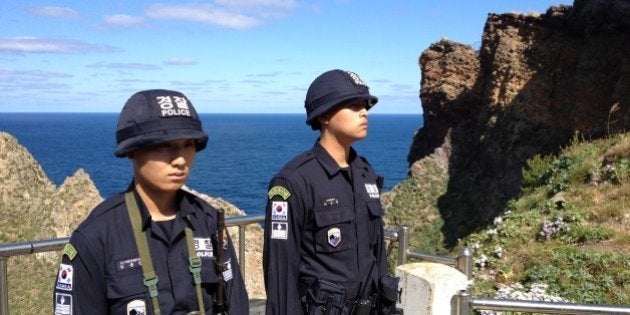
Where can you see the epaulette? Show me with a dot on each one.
(296, 162)
(195, 197)
(365, 160)
(103, 208)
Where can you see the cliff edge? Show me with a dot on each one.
(536, 82)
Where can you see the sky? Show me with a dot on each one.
(227, 56)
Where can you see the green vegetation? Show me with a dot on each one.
(569, 228)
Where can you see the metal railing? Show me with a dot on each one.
(465, 303)
(27, 248)
(463, 262)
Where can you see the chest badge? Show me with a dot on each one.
(203, 247)
(372, 190)
(137, 307)
(334, 237)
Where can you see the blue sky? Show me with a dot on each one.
(227, 56)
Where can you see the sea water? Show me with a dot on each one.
(243, 153)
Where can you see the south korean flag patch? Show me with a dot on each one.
(64, 277)
(279, 210)
(334, 237)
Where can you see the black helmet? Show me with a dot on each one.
(331, 89)
(156, 116)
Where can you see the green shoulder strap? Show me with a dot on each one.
(195, 267)
(150, 278)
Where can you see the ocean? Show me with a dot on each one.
(243, 153)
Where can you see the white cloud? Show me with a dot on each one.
(20, 80)
(57, 12)
(263, 8)
(180, 61)
(119, 65)
(233, 14)
(10, 75)
(123, 20)
(43, 45)
(202, 13)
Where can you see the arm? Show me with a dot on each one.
(281, 255)
(80, 282)
(235, 287)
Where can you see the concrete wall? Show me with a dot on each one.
(429, 288)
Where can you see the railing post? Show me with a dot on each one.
(463, 303)
(241, 249)
(465, 262)
(4, 287)
(403, 244)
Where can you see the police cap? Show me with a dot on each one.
(157, 116)
(330, 90)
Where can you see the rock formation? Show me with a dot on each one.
(537, 82)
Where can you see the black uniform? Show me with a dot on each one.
(323, 224)
(101, 273)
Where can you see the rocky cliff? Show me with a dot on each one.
(536, 82)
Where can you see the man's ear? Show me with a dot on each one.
(323, 119)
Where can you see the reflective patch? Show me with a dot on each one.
(372, 190)
(136, 307)
(129, 264)
(70, 251)
(171, 105)
(330, 202)
(279, 230)
(64, 278)
(356, 80)
(334, 237)
(63, 304)
(279, 191)
(227, 270)
(279, 210)
(203, 247)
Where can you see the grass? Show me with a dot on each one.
(569, 228)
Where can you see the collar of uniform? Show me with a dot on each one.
(185, 208)
(327, 161)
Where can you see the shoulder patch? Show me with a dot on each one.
(70, 251)
(279, 191)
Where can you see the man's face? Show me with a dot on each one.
(164, 167)
(349, 122)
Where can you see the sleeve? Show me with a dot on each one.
(281, 254)
(235, 287)
(380, 251)
(80, 283)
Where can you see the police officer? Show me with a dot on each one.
(154, 249)
(324, 247)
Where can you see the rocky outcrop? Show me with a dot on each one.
(537, 82)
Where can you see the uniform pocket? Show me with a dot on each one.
(335, 230)
(126, 286)
(376, 213)
(208, 272)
